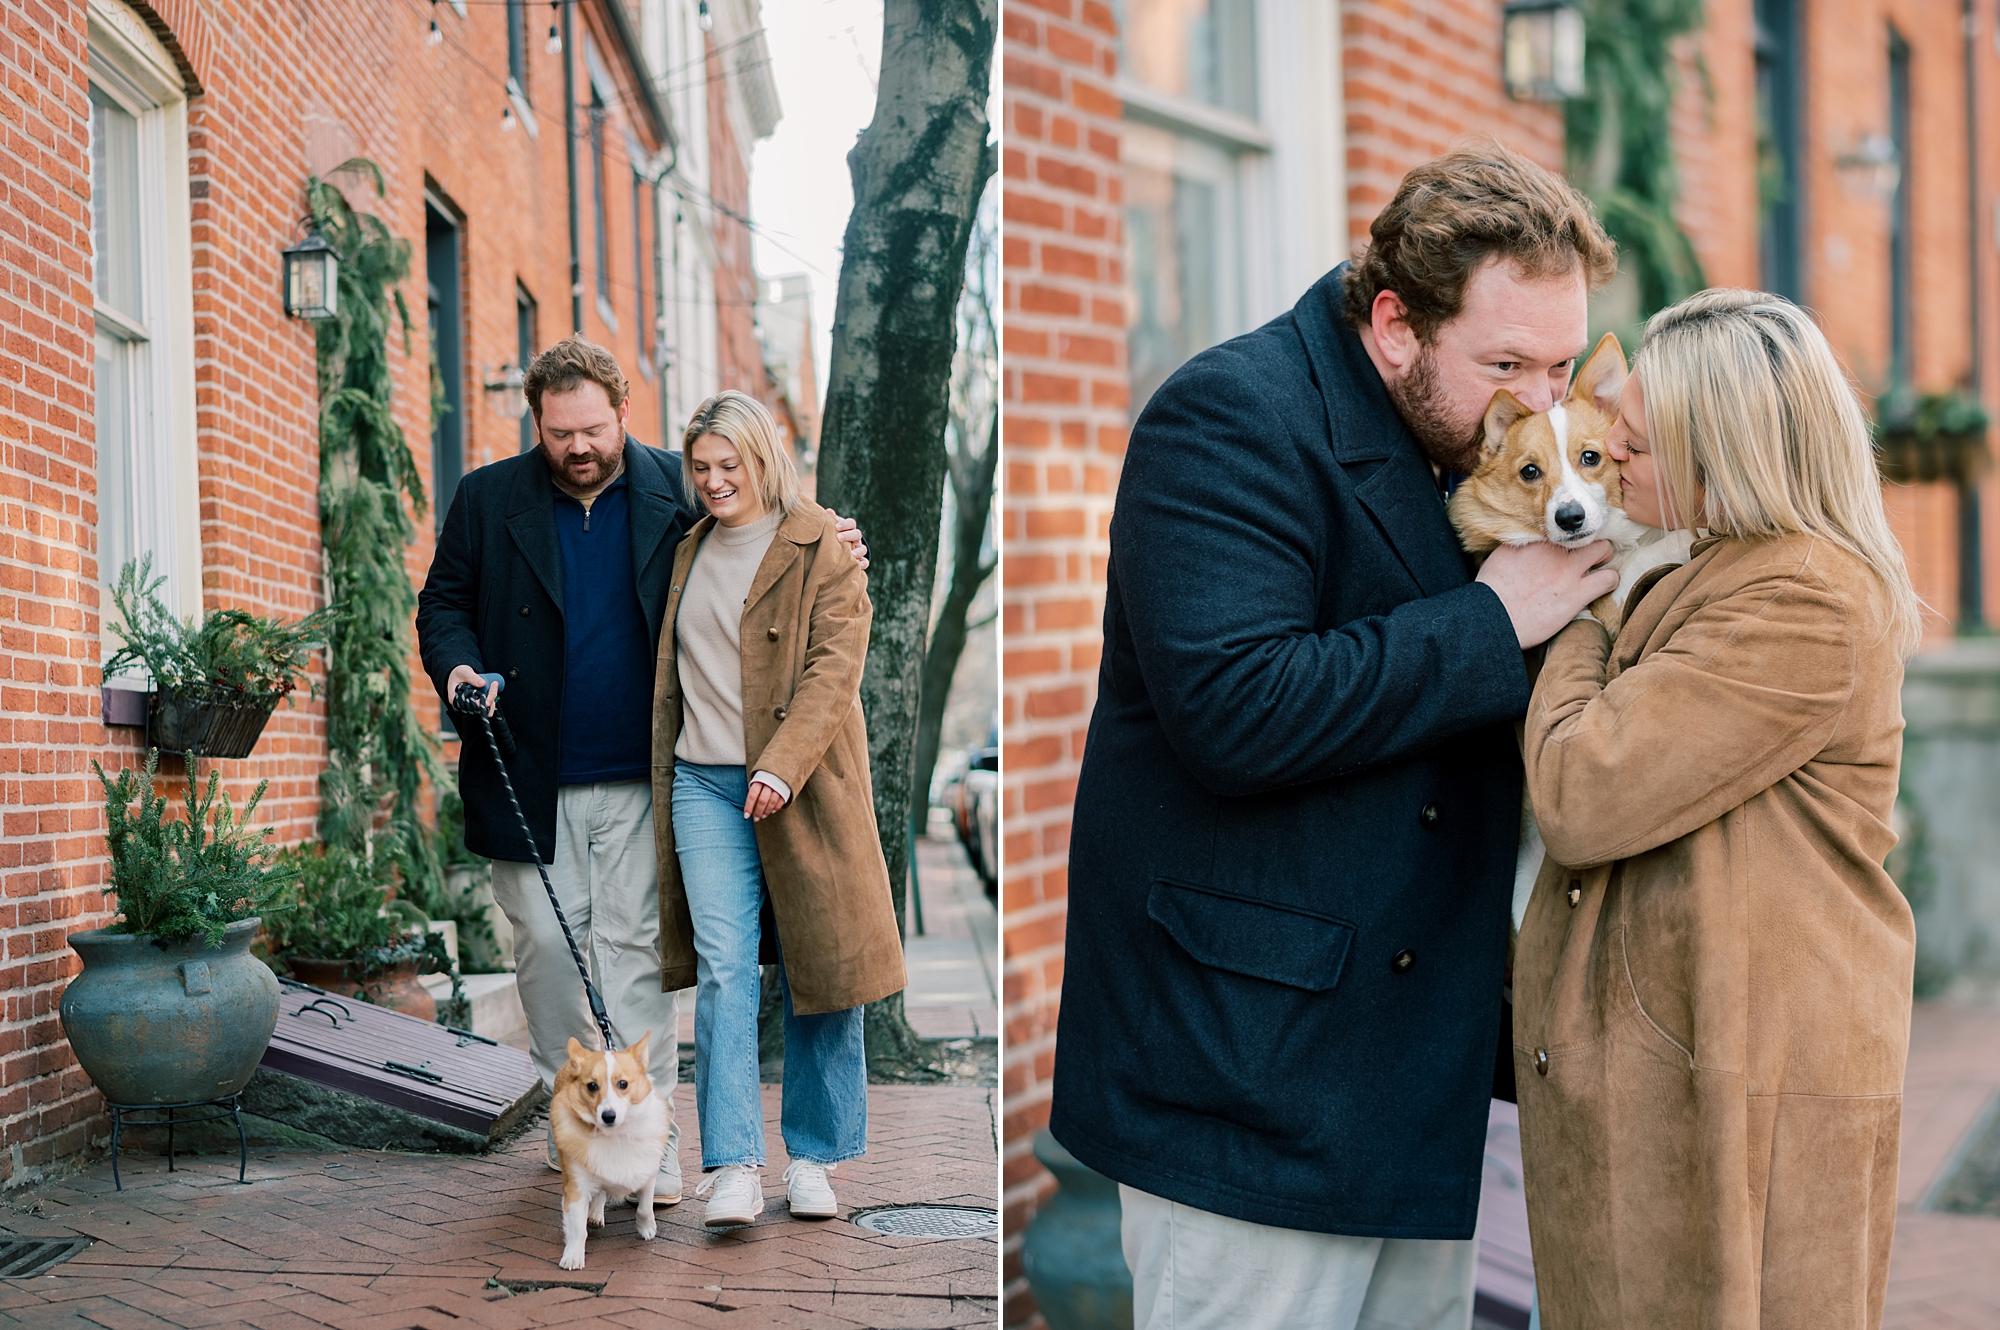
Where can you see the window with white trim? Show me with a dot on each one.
(143, 302)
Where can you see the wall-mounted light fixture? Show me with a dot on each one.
(509, 401)
(1541, 47)
(1872, 167)
(312, 279)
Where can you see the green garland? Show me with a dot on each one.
(1620, 144)
(379, 752)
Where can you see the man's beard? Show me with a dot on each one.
(1421, 403)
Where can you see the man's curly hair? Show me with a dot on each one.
(573, 361)
(1452, 214)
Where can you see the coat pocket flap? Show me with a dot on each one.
(1270, 942)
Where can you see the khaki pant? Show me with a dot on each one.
(607, 878)
(1192, 1270)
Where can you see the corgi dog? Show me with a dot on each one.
(610, 1131)
(1546, 475)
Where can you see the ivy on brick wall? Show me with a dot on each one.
(369, 485)
(1621, 141)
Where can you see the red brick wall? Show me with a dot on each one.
(1418, 76)
(1064, 381)
(272, 107)
(739, 356)
(48, 614)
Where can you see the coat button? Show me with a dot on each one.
(524, 611)
(1575, 891)
(779, 713)
(1428, 815)
(1542, 1061)
(1402, 961)
(771, 633)
(513, 674)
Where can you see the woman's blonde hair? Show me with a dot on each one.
(1745, 399)
(747, 423)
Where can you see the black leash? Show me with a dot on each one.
(468, 700)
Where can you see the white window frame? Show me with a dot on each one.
(130, 66)
(1280, 178)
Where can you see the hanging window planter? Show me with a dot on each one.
(1939, 436)
(216, 683)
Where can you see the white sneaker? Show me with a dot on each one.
(667, 1189)
(807, 1191)
(738, 1198)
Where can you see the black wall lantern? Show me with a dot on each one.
(312, 279)
(1542, 49)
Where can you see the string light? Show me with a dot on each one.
(554, 46)
(703, 19)
(436, 37)
(506, 119)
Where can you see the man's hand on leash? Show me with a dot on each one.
(763, 801)
(1543, 585)
(850, 536)
(465, 674)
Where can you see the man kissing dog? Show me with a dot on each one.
(1296, 819)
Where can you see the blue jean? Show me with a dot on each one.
(824, 1113)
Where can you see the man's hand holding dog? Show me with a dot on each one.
(1543, 585)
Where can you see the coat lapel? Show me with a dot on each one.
(532, 524)
(801, 528)
(654, 505)
(1400, 492)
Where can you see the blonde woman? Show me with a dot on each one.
(762, 798)
(1712, 987)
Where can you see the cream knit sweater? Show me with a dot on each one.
(708, 638)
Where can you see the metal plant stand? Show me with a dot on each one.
(230, 1107)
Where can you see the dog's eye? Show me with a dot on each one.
(1590, 457)
(592, 1087)
(1531, 472)
(621, 1085)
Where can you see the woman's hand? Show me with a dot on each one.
(763, 801)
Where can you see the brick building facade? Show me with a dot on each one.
(152, 173)
(1084, 114)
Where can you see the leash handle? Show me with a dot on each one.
(469, 700)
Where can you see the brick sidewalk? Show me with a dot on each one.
(359, 1240)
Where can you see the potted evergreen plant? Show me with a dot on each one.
(216, 682)
(1938, 436)
(347, 933)
(171, 1007)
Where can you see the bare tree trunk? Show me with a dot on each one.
(972, 473)
(918, 170)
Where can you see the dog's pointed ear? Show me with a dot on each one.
(1602, 377)
(638, 1050)
(1501, 414)
(576, 1048)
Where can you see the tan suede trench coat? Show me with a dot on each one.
(1712, 984)
(805, 638)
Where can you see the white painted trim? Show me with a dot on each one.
(133, 67)
(1183, 115)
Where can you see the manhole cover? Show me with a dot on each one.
(21, 1258)
(943, 1222)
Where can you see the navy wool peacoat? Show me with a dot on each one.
(1297, 815)
(493, 600)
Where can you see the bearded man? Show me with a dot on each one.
(1297, 816)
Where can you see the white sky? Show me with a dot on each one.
(824, 54)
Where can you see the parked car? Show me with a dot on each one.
(974, 800)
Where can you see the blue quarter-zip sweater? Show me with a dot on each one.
(607, 714)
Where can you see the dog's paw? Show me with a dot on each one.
(647, 1228)
(572, 1258)
(597, 1218)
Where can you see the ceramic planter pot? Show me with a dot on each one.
(169, 1025)
(397, 988)
(1071, 1253)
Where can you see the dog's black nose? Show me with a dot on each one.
(609, 1117)
(1569, 516)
